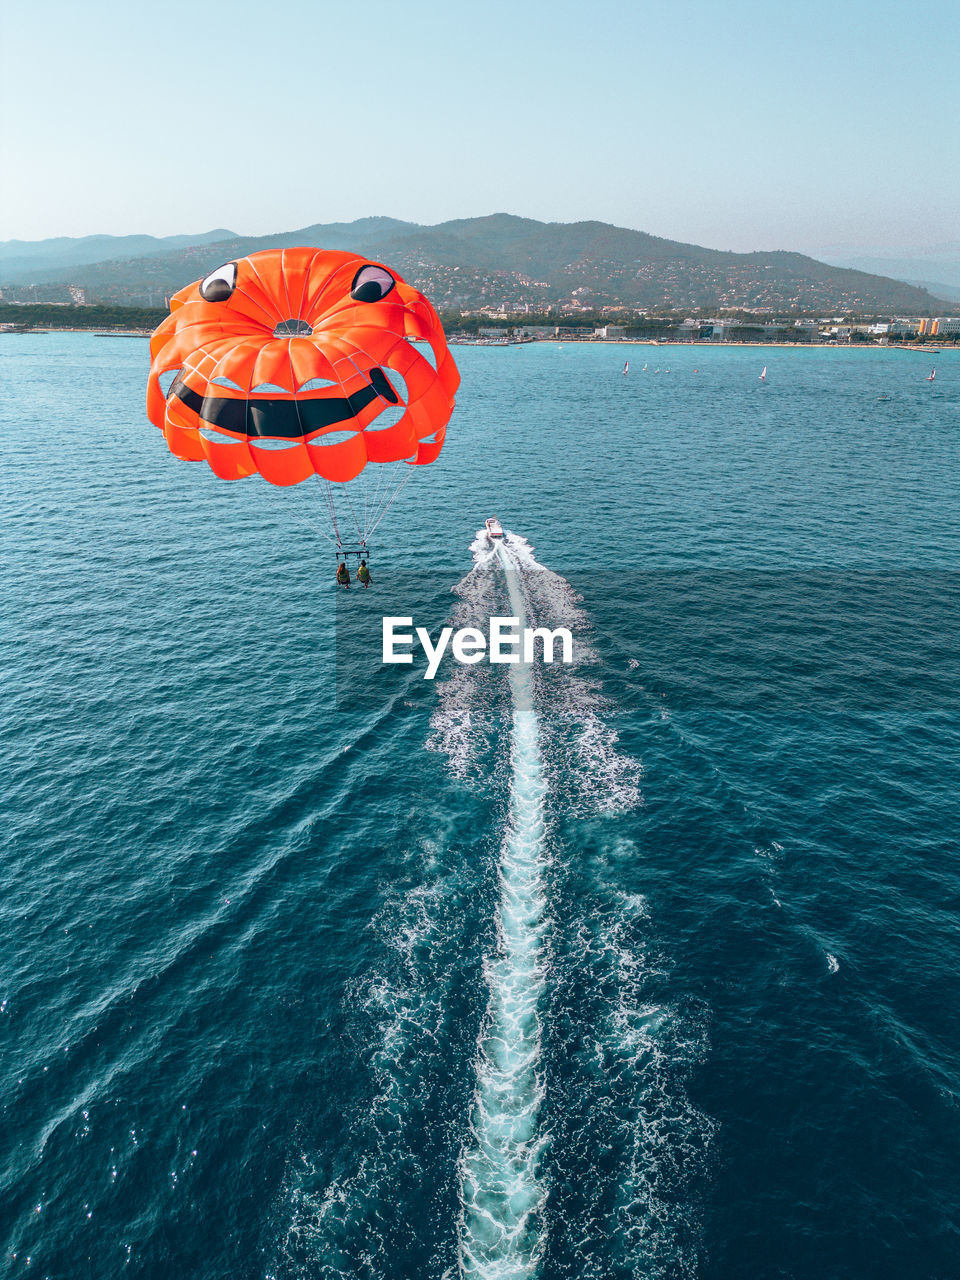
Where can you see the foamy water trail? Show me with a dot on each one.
(502, 1193)
(581, 746)
(582, 1041)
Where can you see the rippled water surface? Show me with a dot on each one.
(643, 967)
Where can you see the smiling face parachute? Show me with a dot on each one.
(303, 363)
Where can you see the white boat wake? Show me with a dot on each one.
(546, 1105)
(562, 1136)
(502, 1194)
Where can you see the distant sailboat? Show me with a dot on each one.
(626, 366)
(933, 374)
(763, 376)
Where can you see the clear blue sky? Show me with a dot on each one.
(737, 124)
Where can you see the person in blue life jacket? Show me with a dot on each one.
(343, 575)
(363, 574)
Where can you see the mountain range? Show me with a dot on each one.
(499, 261)
(28, 261)
(936, 269)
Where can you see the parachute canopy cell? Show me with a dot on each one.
(283, 362)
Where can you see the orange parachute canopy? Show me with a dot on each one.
(286, 364)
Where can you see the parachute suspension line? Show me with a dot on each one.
(333, 511)
(396, 494)
(387, 493)
(381, 472)
(361, 531)
(359, 484)
(368, 502)
(313, 526)
(363, 501)
(330, 537)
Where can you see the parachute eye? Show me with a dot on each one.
(219, 284)
(370, 284)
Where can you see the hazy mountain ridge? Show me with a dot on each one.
(951, 292)
(505, 260)
(936, 269)
(939, 262)
(26, 261)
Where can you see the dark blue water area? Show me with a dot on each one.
(250, 881)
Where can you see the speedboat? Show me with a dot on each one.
(494, 527)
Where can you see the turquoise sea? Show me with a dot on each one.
(640, 967)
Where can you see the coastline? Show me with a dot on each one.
(604, 342)
(707, 342)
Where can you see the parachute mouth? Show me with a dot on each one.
(281, 417)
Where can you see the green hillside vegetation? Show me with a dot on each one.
(97, 317)
(519, 264)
